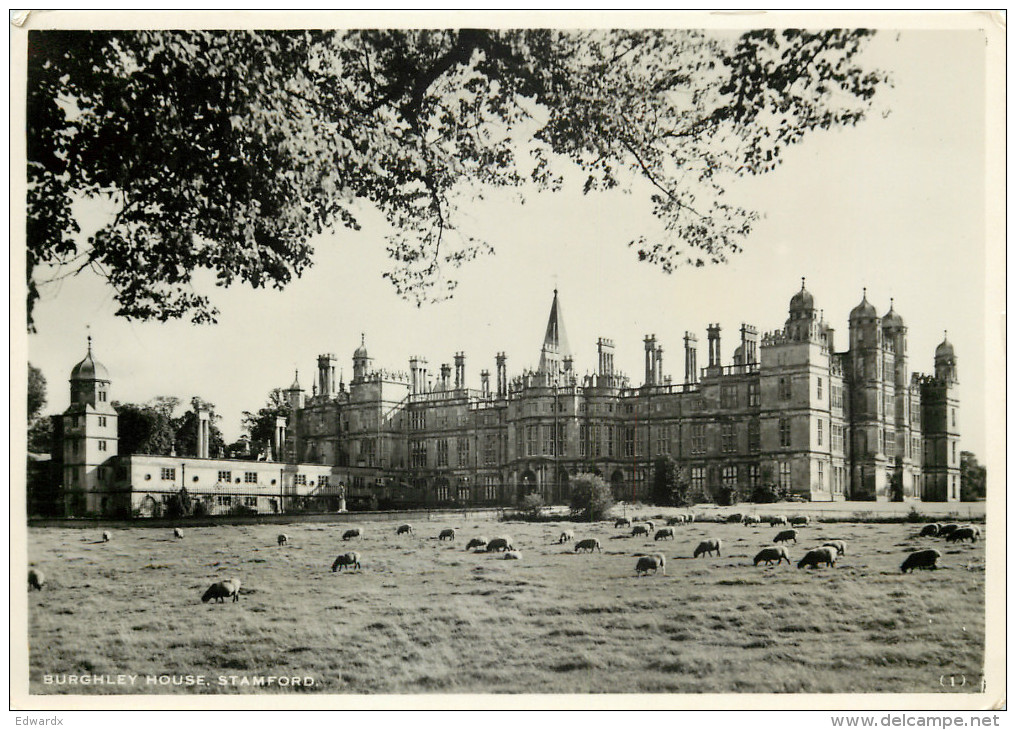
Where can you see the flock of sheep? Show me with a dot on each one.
(824, 555)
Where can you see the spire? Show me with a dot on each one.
(555, 341)
(802, 283)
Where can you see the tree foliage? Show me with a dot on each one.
(261, 425)
(226, 151)
(670, 483)
(591, 498)
(973, 478)
(36, 392)
(146, 428)
(185, 429)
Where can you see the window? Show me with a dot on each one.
(753, 475)
(629, 441)
(300, 480)
(728, 396)
(698, 439)
(753, 399)
(954, 417)
(417, 420)
(250, 501)
(610, 440)
(442, 493)
(323, 480)
(462, 447)
(225, 476)
(821, 475)
(754, 438)
(819, 424)
(954, 452)
(561, 446)
(730, 476)
(663, 440)
(785, 474)
(224, 501)
(784, 388)
(490, 488)
(818, 390)
(102, 445)
(836, 396)
(490, 449)
(548, 439)
(102, 419)
(698, 478)
(532, 436)
(442, 452)
(915, 448)
(250, 477)
(418, 454)
(596, 441)
(168, 473)
(102, 396)
(728, 436)
(584, 440)
(784, 433)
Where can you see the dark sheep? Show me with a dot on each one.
(785, 535)
(622, 522)
(676, 520)
(663, 533)
(945, 530)
(347, 560)
(962, 533)
(447, 534)
(929, 531)
(36, 579)
(355, 532)
(404, 530)
(589, 544)
(650, 562)
(800, 521)
(839, 545)
(500, 544)
(640, 530)
(923, 559)
(223, 590)
(178, 533)
(476, 542)
(777, 520)
(709, 546)
(771, 554)
(818, 556)
(283, 539)
(566, 536)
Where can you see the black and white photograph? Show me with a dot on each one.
(560, 360)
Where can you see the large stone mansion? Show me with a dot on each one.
(787, 409)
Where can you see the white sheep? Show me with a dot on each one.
(663, 533)
(36, 579)
(223, 590)
(500, 544)
(818, 556)
(839, 545)
(777, 520)
(178, 533)
(771, 554)
(512, 555)
(106, 537)
(566, 536)
(347, 560)
(283, 539)
(650, 562)
(355, 532)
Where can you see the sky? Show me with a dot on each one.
(895, 204)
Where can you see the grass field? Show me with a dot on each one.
(426, 616)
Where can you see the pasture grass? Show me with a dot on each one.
(429, 617)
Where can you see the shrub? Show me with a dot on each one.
(591, 498)
(768, 493)
(532, 505)
(200, 509)
(736, 517)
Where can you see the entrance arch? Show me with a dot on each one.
(617, 486)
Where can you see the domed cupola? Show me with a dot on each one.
(945, 361)
(802, 304)
(945, 348)
(864, 310)
(361, 352)
(892, 319)
(361, 361)
(89, 369)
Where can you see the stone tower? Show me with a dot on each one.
(89, 440)
(872, 429)
(939, 407)
(555, 343)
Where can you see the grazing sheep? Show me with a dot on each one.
(784, 535)
(777, 520)
(404, 530)
(675, 520)
(840, 545)
(476, 542)
(512, 555)
(223, 590)
(800, 521)
(651, 525)
(817, 557)
(178, 533)
(923, 559)
(709, 546)
(962, 533)
(106, 536)
(500, 544)
(945, 530)
(566, 536)
(622, 522)
(283, 539)
(929, 531)
(663, 533)
(347, 560)
(640, 530)
(589, 544)
(650, 562)
(770, 554)
(36, 579)
(447, 534)
(752, 520)
(355, 532)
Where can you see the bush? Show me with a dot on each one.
(532, 505)
(768, 493)
(736, 517)
(591, 498)
(200, 509)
